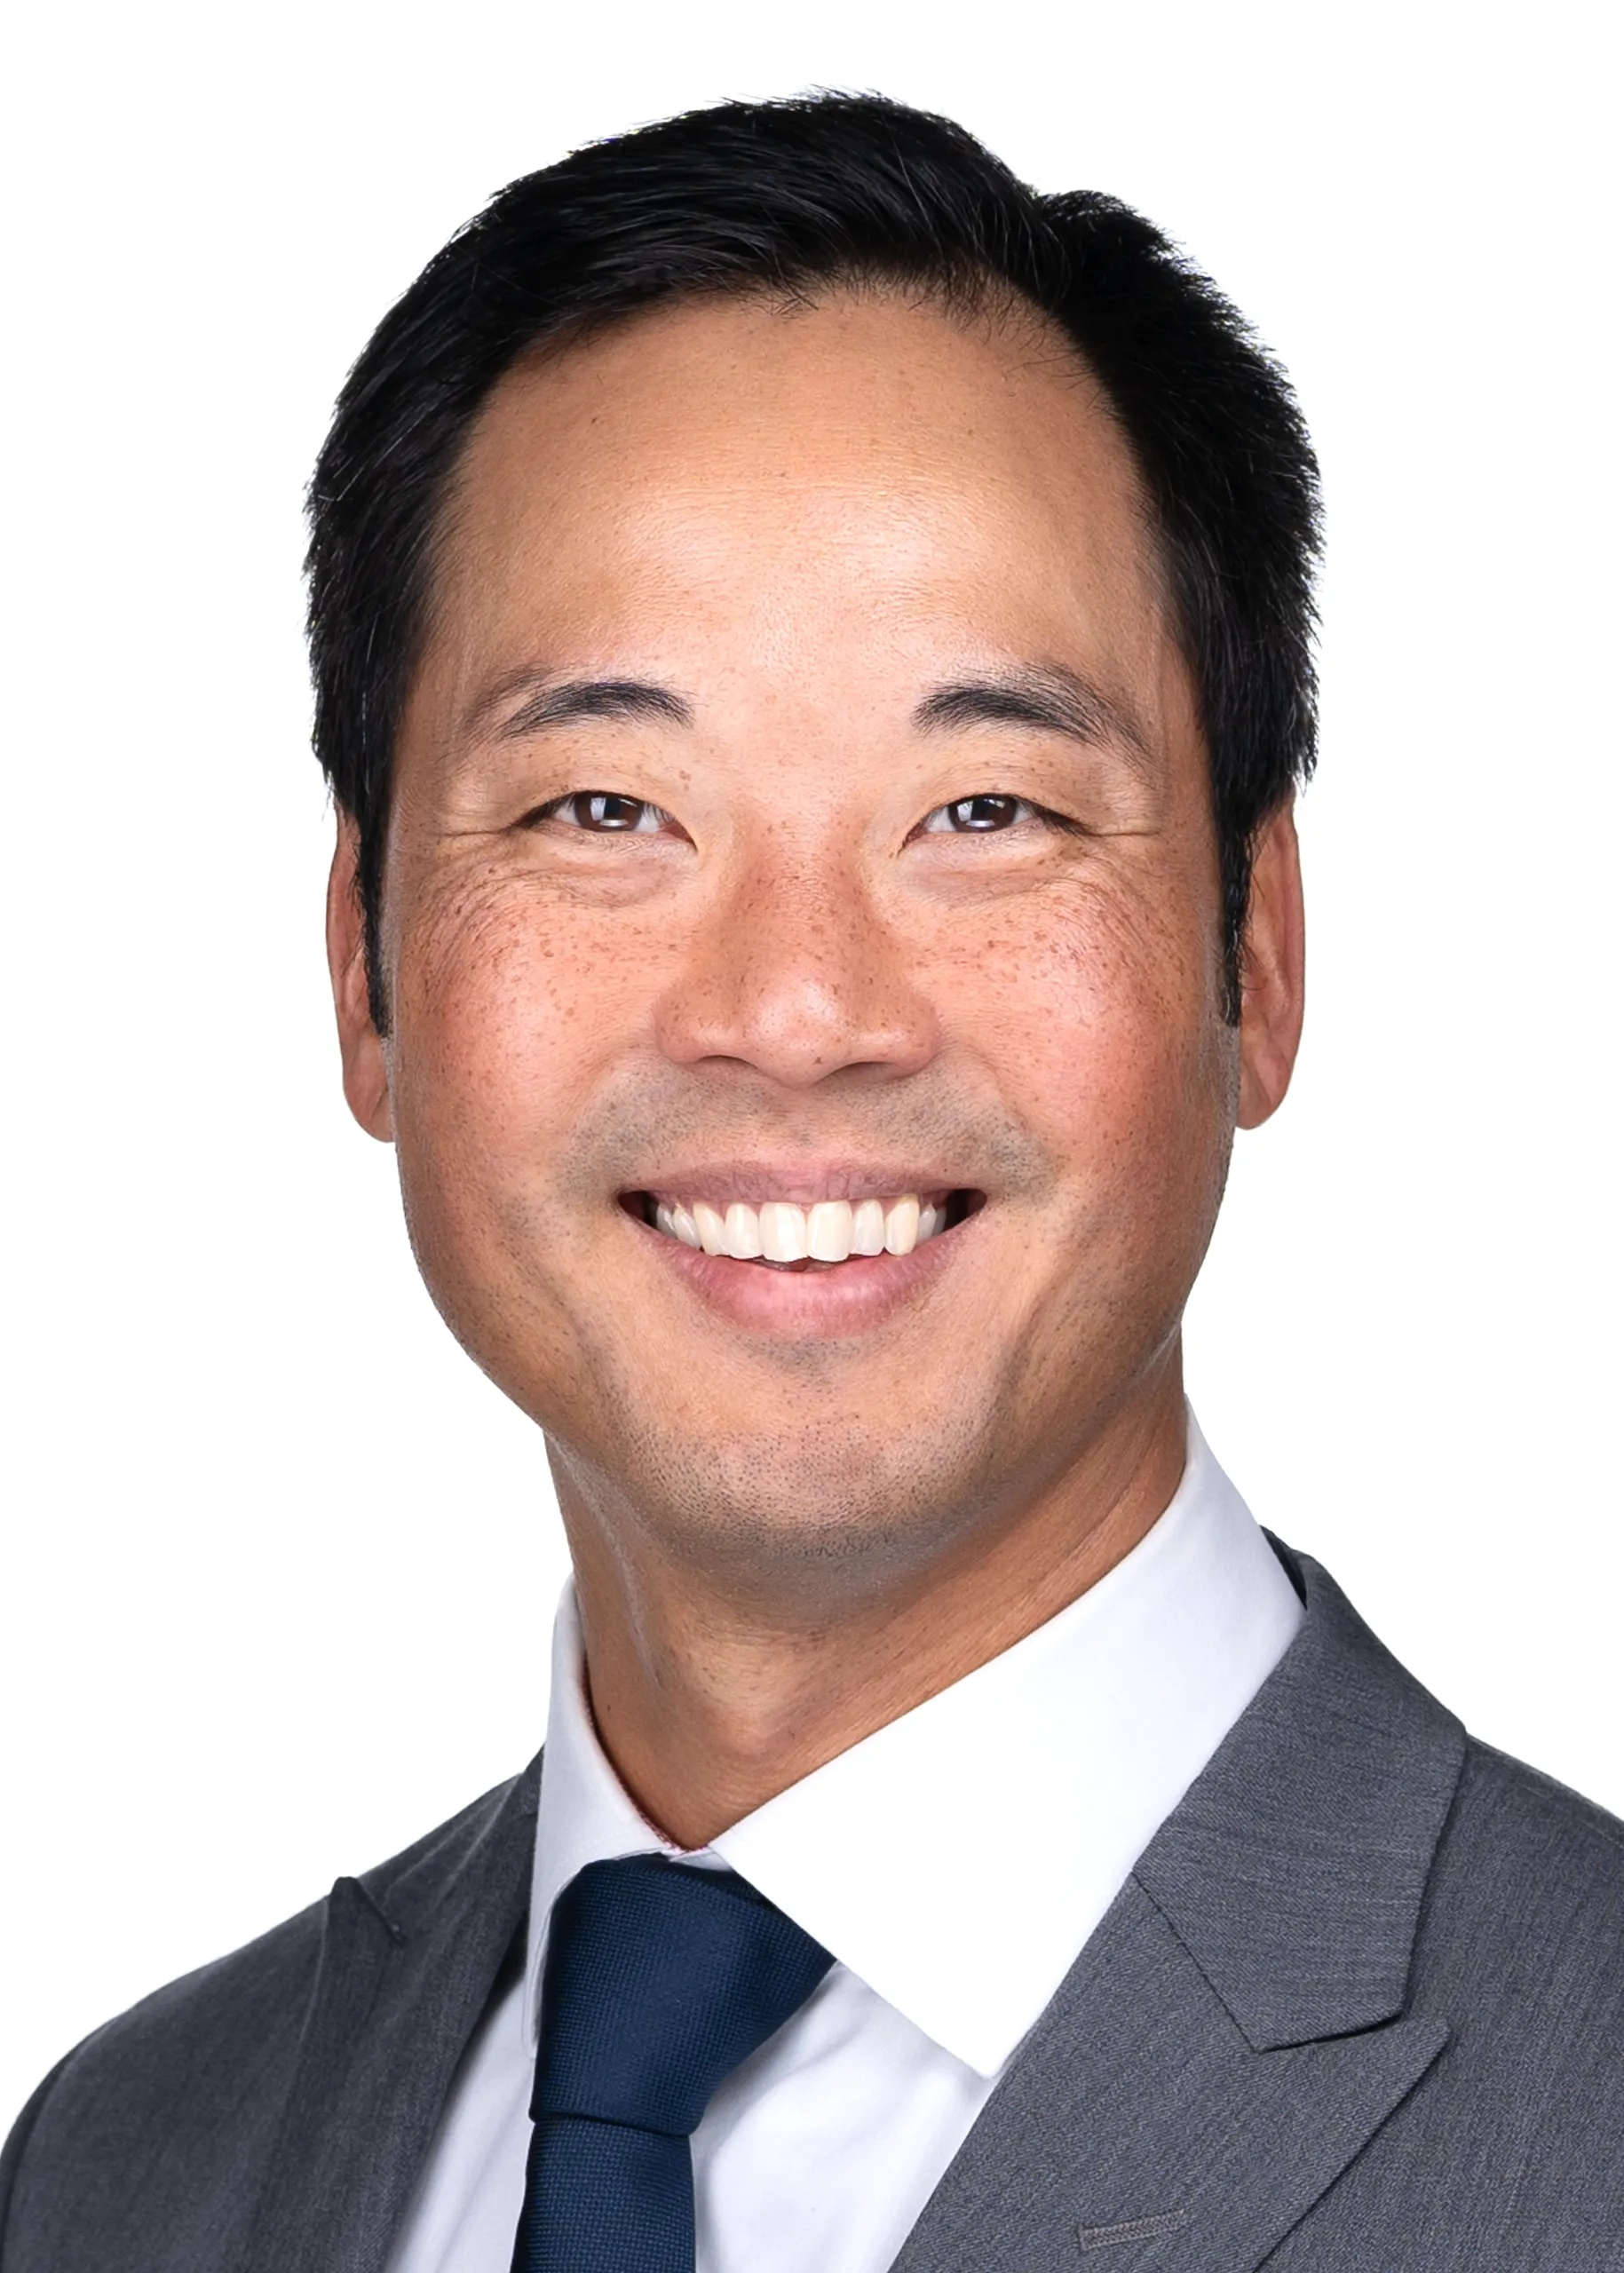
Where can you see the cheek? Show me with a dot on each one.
(503, 1010)
(1103, 1017)
(502, 1026)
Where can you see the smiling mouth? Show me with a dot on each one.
(782, 1236)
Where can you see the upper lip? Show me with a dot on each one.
(802, 1181)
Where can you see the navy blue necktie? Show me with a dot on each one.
(660, 1980)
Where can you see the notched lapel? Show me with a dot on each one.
(407, 1967)
(1295, 1867)
(1140, 2129)
(1237, 2029)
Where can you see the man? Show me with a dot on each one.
(810, 644)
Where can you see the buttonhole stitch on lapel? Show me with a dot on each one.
(1135, 2229)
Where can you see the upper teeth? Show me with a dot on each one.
(777, 1231)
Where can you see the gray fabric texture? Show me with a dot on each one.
(1358, 2009)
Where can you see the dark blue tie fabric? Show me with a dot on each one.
(660, 1980)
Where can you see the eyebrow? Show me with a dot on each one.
(1046, 696)
(563, 701)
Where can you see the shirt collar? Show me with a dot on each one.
(958, 1859)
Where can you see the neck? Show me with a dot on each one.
(711, 1694)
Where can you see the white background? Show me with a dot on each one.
(278, 1565)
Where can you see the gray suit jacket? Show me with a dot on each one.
(1360, 2010)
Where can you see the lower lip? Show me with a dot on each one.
(848, 1298)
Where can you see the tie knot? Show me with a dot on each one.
(660, 1980)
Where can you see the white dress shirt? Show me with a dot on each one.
(954, 1862)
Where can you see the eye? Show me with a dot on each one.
(979, 816)
(605, 812)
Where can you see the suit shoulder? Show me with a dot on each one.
(155, 2099)
(208, 2057)
(1522, 1931)
(251, 1988)
(230, 1992)
(255, 1987)
(1523, 1827)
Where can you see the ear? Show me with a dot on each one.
(366, 1078)
(1272, 972)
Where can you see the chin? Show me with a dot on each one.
(813, 1496)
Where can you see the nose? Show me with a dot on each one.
(796, 975)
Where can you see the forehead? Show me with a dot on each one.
(865, 469)
(745, 401)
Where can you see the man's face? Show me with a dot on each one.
(801, 800)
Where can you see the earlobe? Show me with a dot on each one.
(366, 1079)
(1272, 972)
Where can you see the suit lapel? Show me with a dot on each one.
(1139, 2124)
(1237, 2028)
(408, 1963)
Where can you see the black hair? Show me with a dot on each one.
(790, 198)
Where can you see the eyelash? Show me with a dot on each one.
(603, 799)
